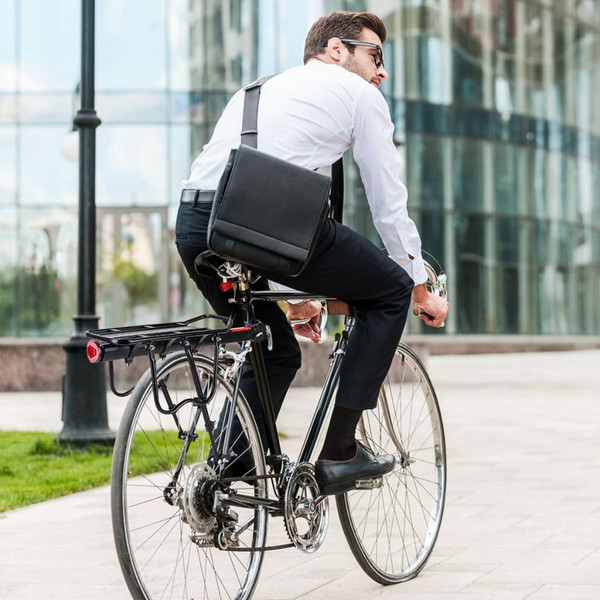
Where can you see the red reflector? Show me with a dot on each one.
(225, 286)
(238, 329)
(94, 353)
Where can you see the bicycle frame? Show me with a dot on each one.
(245, 299)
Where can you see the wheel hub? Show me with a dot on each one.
(197, 499)
(305, 520)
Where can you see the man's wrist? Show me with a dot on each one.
(420, 293)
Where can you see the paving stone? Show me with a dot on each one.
(522, 518)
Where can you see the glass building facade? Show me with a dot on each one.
(497, 125)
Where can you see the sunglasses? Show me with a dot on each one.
(378, 58)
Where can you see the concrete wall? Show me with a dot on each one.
(39, 364)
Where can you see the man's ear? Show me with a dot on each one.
(334, 49)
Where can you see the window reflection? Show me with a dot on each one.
(470, 271)
(123, 63)
(130, 166)
(468, 174)
(504, 59)
(48, 37)
(8, 67)
(467, 41)
(8, 165)
(506, 161)
(46, 178)
(495, 109)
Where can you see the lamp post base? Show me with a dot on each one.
(84, 409)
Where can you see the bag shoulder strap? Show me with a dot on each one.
(250, 117)
(250, 138)
(336, 195)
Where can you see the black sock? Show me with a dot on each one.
(340, 442)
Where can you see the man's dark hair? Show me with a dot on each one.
(341, 24)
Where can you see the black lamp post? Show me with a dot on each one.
(85, 415)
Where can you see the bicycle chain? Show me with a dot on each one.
(251, 478)
(261, 549)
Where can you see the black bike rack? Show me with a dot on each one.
(127, 343)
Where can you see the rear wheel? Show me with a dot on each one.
(392, 529)
(175, 537)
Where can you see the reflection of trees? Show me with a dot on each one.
(35, 307)
(140, 286)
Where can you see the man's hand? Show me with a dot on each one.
(310, 310)
(433, 309)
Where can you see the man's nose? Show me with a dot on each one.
(382, 73)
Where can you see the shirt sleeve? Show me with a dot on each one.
(379, 164)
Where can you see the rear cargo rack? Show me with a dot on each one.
(127, 343)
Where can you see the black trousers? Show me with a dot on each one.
(344, 265)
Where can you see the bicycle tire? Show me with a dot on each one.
(392, 530)
(157, 554)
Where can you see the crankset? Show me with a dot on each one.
(305, 518)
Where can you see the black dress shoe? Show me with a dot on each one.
(339, 476)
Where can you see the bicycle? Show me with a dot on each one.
(192, 488)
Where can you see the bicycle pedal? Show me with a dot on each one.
(369, 484)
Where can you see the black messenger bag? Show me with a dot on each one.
(267, 212)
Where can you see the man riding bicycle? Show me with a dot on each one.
(310, 115)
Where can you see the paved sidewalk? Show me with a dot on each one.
(522, 516)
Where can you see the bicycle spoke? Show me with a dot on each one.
(391, 530)
(167, 532)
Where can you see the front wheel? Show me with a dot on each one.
(175, 536)
(392, 529)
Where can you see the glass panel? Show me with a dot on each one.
(8, 29)
(431, 228)
(544, 280)
(504, 54)
(50, 44)
(180, 158)
(468, 174)
(584, 61)
(426, 65)
(48, 108)
(131, 166)
(562, 25)
(47, 177)
(470, 272)
(596, 204)
(507, 275)
(538, 203)
(8, 278)
(467, 38)
(427, 157)
(131, 62)
(506, 161)
(595, 85)
(8, 165)
(44, 301)
(8, 106)
(179, 44)
(132, 107)
(221, 57)
(129, 259)
(535, 100)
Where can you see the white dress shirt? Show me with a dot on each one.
(310, 115)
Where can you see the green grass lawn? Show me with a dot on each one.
(34, 468)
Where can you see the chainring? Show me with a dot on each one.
(305, 523)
